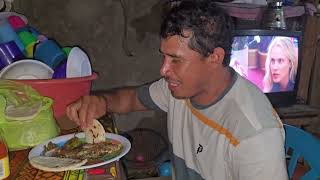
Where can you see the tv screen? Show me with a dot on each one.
(270, 59)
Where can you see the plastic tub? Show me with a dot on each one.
(62, 91)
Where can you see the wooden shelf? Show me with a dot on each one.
(297, 111)
(299, 115)
(254, 12)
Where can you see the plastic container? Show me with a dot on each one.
(60, 71)
(62, 91)
(78, 63)
(32, 130)
(26, 69)
(4, 159)
(9, 53)
(16, 22)
(165, 169)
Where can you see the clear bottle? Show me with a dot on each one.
(4, 159)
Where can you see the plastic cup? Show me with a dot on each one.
(9, 53)
(34, 31)
(16, 22)
(50, 53)
(22, 29)
(29, 50)
(7, 34)
(67, 50)
(27, 38)
(30, 29)
(42, 38)
(60, 70)
(29, 41)
(5, 15)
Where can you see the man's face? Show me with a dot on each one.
(185, 70)
(279, 65)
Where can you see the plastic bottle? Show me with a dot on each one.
(4, 159)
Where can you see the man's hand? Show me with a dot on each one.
(87, 108)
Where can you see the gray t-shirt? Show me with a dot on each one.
(237, 137)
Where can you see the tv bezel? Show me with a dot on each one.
(279, 99)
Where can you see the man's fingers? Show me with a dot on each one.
(72, 112)
(83, 111)
(91, 115)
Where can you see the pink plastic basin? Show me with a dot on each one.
(62, 91)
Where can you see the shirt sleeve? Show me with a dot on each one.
(154, 95)
(260, 157)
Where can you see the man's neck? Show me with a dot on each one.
(215, 88)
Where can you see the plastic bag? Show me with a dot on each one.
(22, 133)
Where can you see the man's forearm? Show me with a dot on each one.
(123, 100)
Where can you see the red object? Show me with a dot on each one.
(16, 22)
(62, 91)
(140, 158)
(96, 171)
(3, 150)
(4, 164)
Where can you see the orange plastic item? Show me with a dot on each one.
(62, 91)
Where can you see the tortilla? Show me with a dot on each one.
(55, 164)
(24, 112)
(95, 133)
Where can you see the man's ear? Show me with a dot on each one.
(217, 56)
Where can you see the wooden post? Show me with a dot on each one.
(314, 96)
(311, 32)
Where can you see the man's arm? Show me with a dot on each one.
(87, 108)
(123, 100)
(260, 157)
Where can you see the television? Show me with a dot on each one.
(271, 60)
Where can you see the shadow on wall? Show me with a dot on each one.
(153, 19)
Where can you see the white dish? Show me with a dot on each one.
(36, 151)
(78, 64)
(26, 69)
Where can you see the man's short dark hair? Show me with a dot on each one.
(210, 25)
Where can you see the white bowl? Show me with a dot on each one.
(78, 64)
(26, 69)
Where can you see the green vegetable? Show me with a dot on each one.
(72, 143)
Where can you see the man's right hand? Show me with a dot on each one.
(85, 109)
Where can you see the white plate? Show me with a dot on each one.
(78, 64)
(36, 151)
(26, 69)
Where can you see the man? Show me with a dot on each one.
(220, 126)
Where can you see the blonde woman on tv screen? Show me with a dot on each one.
(281, 65)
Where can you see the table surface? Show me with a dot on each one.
(20, 169)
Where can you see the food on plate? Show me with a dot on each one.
(76, 148)
(95, 133)
(56, 164)
(92, 149)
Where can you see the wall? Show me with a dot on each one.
(121, 38)
(99, 28)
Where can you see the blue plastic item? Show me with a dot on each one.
(165, 169)
(303, 145)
